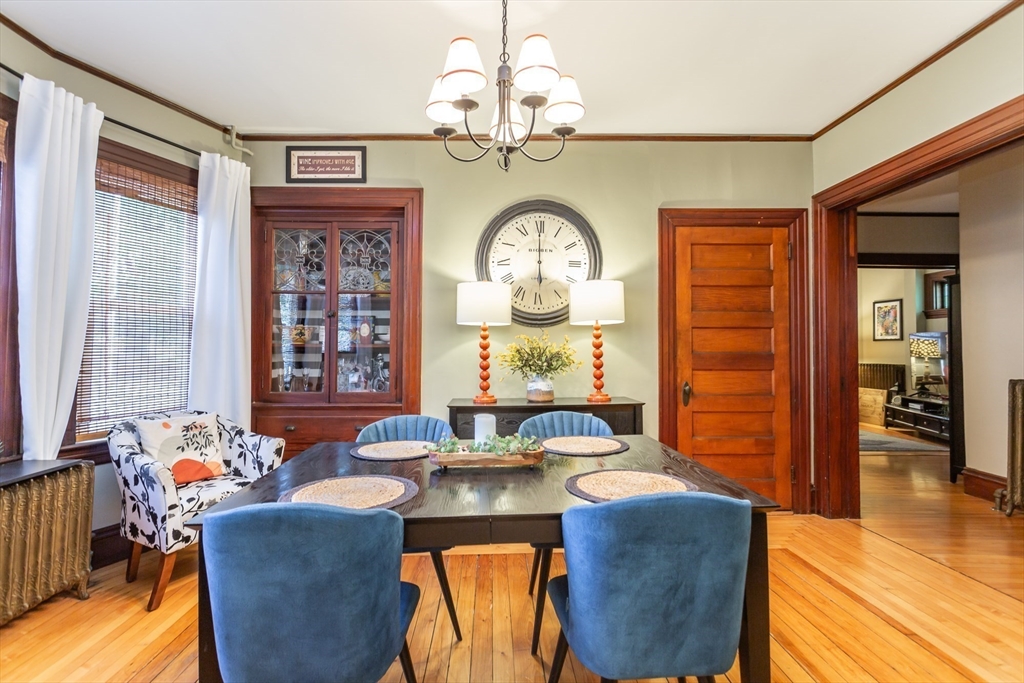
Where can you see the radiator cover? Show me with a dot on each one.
(45, 529)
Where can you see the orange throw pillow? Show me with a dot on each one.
(189, 445)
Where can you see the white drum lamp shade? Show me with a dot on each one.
(463, 70)
(483, 303)
(600, 302)
(439, 104)
(536, 70)
(517, 125)
(565, 105)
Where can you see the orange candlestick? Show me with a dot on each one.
(598, 396)
(485, 367)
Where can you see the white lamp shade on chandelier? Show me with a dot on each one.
(517, 125)
(600, 302)
(463, 70)
(483, 303)
(439, 104)
(536, 70)
(565, 105)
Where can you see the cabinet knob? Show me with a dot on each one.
(360, 428)
(289, 428)
(331, 314)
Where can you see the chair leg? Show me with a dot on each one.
(533, 571)
(705, 679)
(446, 591)
(406, 659)
(163, 577)
(607, 680)
(542, 590)
(561, 649)
(132, 571)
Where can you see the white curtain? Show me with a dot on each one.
(220, 368)
(56, 139)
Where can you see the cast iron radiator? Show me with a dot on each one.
(1015, 455)
(881, 375)
(45, 529)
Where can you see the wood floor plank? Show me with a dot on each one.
(459, 665)
(501, 649)
(482, 661)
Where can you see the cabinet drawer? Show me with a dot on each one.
(932, 425)
(310, 430)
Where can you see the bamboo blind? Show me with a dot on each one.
(138, 338)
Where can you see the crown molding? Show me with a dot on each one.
(586, 137)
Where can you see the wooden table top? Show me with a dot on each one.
(485, 493)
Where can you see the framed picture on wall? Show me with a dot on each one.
(888, 320)
(325, 164)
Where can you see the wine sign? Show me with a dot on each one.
(325, 164)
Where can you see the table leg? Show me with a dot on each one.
(542, 594)
(755, 637)
(209, 667)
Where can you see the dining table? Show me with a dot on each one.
(486, 505)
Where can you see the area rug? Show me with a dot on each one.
(869, 441)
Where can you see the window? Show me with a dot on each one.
(139, 333)
(936, 294)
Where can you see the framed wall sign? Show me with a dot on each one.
(325, 164)
(888, 320)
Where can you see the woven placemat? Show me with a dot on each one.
(583, 446)
(391, 450)
(359, 492)
(605, 485)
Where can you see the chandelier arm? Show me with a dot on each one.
(485, 148)
(553, 156)
(458, 158)
(520, 144)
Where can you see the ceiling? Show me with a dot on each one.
(694, 67)
(939, 195)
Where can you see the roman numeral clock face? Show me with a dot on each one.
(539, 250)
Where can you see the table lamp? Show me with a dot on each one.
(597, 302)
(484, 303)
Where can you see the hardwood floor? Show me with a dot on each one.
(925, 588)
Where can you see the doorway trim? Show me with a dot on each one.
(834, 238)
(799, 325)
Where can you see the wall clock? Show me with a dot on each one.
(539, 247)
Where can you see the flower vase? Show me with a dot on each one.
(539, 389)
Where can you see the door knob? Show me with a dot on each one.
(686, 393)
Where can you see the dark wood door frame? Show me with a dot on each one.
(834, 230)
(799, 326)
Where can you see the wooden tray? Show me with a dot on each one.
(446, 460)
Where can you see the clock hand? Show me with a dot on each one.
(539, 278)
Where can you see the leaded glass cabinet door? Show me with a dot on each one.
(298, 358)
(365, 295)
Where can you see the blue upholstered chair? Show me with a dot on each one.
(545, 426)
(654, 587)
(417, 428)
(564, 423)
(308, 592)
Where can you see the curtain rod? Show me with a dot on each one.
(116, 122)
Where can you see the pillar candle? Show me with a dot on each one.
(484, 425)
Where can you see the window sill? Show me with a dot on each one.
(95, 450)
(936, 313)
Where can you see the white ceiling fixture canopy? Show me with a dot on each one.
(536, 72)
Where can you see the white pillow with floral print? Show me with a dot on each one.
(188, 444)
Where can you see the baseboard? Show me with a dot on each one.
(109, 546)
(982, 484)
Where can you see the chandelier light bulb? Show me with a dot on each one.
(463, 70)
(565, 105)
(517, 125)
(439, 104)
(536, 70)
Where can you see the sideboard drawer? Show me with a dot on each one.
(302, 431)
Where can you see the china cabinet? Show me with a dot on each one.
(336, 300)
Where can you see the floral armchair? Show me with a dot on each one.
(154, 510)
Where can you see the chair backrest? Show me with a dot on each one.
(564, 423)
(656, 584)
(125, 435)
(304, 592)
(405, 428)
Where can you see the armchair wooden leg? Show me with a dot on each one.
(542, 590)
(163, 577)
(132, 571)
(533, 571)
(446, 591)
(561, 649)
(406, 659)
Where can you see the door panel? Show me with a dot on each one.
(732, 329)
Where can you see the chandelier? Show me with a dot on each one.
(536, 73)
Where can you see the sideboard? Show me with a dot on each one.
(623, 415)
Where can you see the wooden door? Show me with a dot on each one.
(732, 354)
